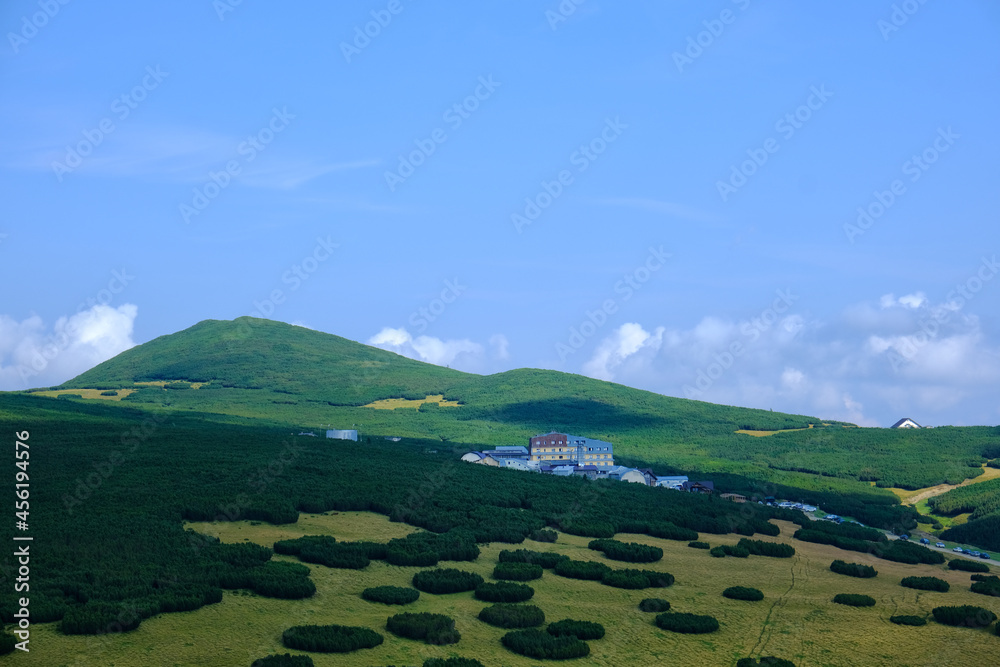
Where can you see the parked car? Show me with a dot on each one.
(924, 540)
(940, 545)
(974, 553)
(957, 550)
(984, 555)
(903, 537)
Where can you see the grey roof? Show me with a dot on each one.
(903, 421)
(512, 448)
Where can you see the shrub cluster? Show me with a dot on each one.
(284, 660)
(543, 646)
(654, 605)
(579, 569)
(583, 528)
(724, 550)
(288, 581)
(325, 550)
(926, 584)
(431, 628)
(390, 594)
(967, 565)
(517, 571)
(768, 660)
(762, 548)
(908, 620)
(446, 580)
(546, 559)
(699, 545)
(743, 593)
(637, 579)
(986, 585)
(579, 629)
(686, 623)
(967, 615)
(543, 536)
(668, 531)
(854, 600)
(509, 616)
(901, 551)
(503, 591)
(630, 552)
(853, 569)
(330, 638)
(452, 662)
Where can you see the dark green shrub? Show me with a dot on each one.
(686, 623)
(637, 579)
(854, 600)
(442, 581)
(452, 662)
(599, 529)
(284, 660)
(543, 536)
(503, 591)
(546, 559)
(926, 584)
(629, 552)
(431, 628)
(724, 550)
(699, 545)
(287, 581)
(668, 531)
(967, 565)
(762, 548)
(853, 569)
(769, 661)
(654, 605)
(579, 629)
(390, 594)
(8, 643)
(743, 593)
(986, 585)
(966, 615)
(543, 646)
(110, 392)
(579, 569)
(901, 551)
(512, 615)
(908, 620)
(330, 638)
(517, 571)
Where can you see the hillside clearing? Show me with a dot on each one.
(396, 403)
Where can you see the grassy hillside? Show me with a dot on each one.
(289, 375)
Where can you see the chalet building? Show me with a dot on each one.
(342, 435)
(735, 497)
(671, 482)
(707, 488)
(906, 422)
(562, 448)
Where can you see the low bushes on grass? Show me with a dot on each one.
(452, 662)
(330, 638)
(966, 614)
(854, 600)
(908, 620)
(986, 585)
(926, 584)
(637, 579)
(768, 660)
(763, 548)
(543, 646)
(510, 616)
(743, 593)
(391, 594)
(967, 565)
(853, 569)
(431, 628)
(517, 571)
(579, 569)
(546, 559)
(599, 529)
(503, 591)
(284, 660)
(668, 531)
(446, 580)
(629, 552)
(654, 605)
(686, 623)
(724, 550)
(699, 545)
(543, 536)
(579, 629)
(287, 581)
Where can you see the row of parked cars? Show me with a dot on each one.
(958, 550)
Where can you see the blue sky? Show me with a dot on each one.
(662, 194)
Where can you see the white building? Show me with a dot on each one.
(342, 435)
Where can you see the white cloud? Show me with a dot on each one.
(462, 354)
(31, 355)
(500, 346)
(626, 341)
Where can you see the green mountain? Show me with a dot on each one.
(288, 375)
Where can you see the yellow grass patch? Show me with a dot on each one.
(85, 393)
(160, 383)
(761, 434)
(796, 620)
(395, 403)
